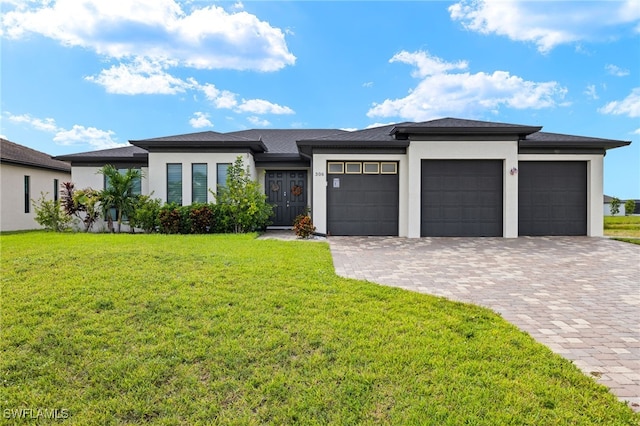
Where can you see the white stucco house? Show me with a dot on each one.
(445, 177)
(24, 174)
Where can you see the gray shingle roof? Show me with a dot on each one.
(208, 139)
(208, 136)
(283, 141)
(125, 153)
(13, 153)
(461, 126)
(560, 140)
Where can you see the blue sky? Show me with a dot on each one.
(80, 75)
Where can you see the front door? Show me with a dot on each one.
(287, 192)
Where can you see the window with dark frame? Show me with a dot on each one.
(221, 171)
(174, 183)
(199, 186)
(56, 190)
(27, 194)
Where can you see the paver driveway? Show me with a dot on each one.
(579, 296)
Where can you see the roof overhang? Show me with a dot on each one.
(406, 131)
(306, 147)
(178, 146)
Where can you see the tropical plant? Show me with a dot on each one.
(201, 218)
(118, 192)
(614, 206)
(303, 226)
(169, 219)
(242, 200)
(50, 215)
(629, 207)
(81, 203)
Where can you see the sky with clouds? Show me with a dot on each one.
(81, 75)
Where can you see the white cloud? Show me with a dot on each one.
(140, 77)
(260, 106)
(208, 37)
(591, 91)
(368, 84)
(78, 135)
(546, 23)
(616, 70)
(629, 106)
(98, 139)
(635, 132)
(257, 121)
(464, 94)
(199, 120)
(373, 125)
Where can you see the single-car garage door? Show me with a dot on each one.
(362, 198)
(461, 198)
(552, 198)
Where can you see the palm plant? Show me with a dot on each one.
(118, 192)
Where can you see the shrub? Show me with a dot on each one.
(201, 218)
(242, 202)
(145, 214)
(303, 226)
(169, 219)
(50, 214)
(629, 207)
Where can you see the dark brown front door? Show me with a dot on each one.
(287, 192)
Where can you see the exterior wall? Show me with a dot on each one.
(12, 215)
(319, 184)
(462, 150)
(157, 174)
(595, 182)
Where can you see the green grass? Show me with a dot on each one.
(130, 329)
(622, 226)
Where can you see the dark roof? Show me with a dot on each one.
(13, 153)
(208, 139)
(557, 140)
(283, 141)
(460, 126)
(126, 153)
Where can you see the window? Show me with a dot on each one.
(336, 168)
(174, 183)
(56, 190)
(222, 174)
(198, 183)
(353, 168)
(371, 168)
(388, 168)
(27, 194)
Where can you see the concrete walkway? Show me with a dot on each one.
(579, 296)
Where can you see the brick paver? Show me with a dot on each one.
(579, 296)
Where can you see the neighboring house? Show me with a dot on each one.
(446, 177)
(24, 174)
(607, 207)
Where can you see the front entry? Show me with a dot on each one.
(287, 192)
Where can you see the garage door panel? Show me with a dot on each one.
(552, 198)
(461, 198)
(363, 204)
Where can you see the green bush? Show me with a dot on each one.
(146, 214)
(50, 214)
(629, 207)
(242, 202)
(303, 226)
(614, 206)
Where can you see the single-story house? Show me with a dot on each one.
(25, 173)
(445, 177)
(607, 206)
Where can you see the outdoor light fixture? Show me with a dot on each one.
(513, 171)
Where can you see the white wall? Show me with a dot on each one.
(12, 215)
(157, 174)
(607, 209)
(595, 182)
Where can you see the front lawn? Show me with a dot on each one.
(129, 329)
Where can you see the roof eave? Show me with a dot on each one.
(254, 146)
(520, 131)
(603, 144)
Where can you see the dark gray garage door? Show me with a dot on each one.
(552, 198)
(364, 202)
(461, 198)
